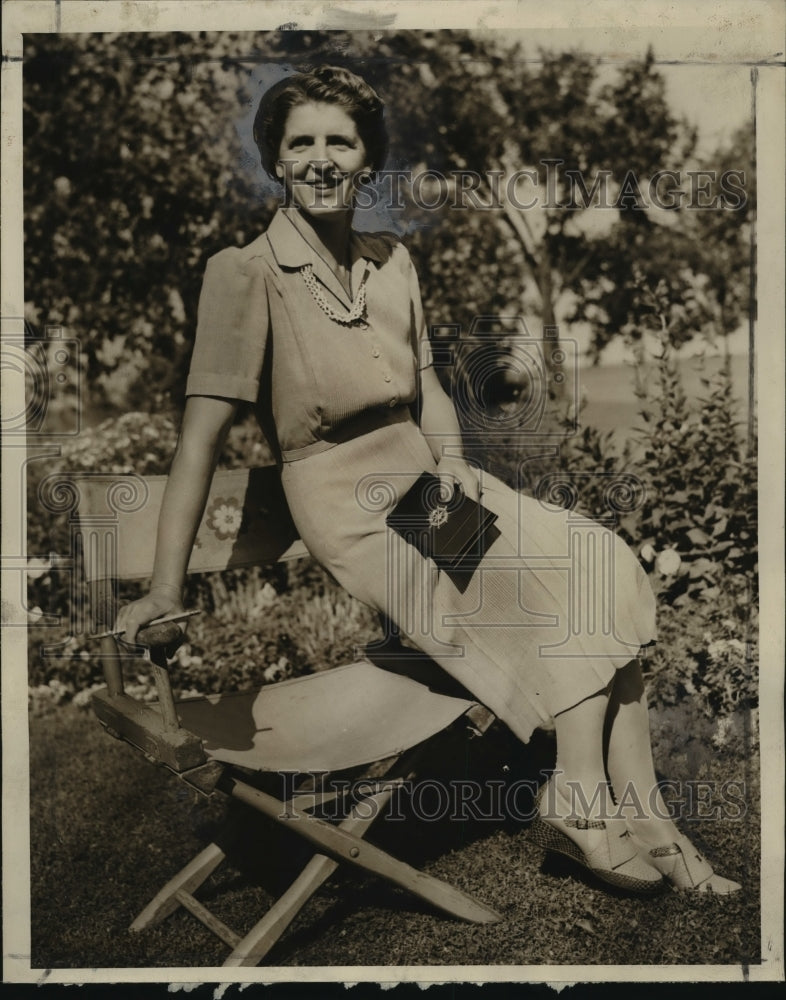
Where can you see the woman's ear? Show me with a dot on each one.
(279, 170)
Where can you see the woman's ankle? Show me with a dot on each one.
(581, 797)
(653, 831)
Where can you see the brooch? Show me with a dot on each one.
(438, 516)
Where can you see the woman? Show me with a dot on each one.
(322, 328)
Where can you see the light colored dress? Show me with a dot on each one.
(558, 603)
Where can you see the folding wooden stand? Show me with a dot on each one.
(322, 724)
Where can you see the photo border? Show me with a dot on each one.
(734, 31)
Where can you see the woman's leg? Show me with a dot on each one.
(580, 774)
(575, 808)
(630, 767)
(629, 759)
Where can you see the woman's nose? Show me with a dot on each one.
(321, 162)
(320, 166)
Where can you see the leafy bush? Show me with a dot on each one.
(258, 634)
(710, 658)
(687, 505)
(700, 488)
(252, 632)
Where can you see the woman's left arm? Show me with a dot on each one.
(441, 428)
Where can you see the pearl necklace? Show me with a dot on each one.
(358, 306)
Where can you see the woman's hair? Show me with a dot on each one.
(328, 85)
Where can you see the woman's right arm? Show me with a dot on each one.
(206, 422)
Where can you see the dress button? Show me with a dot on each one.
(363, 324)
(393, 401)
(388, 378)
(375, 353)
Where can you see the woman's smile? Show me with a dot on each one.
(320, 158)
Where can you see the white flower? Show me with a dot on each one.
(647, 553)
(36, 568)
(165, 89)
(176, 306)
(722, 647)
(716, 649)
(668, 562)
(83, 698)
(266, 597)
(277, 671)
(721, 734)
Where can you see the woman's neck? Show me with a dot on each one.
(330, 236)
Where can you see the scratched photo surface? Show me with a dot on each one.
(322, 758)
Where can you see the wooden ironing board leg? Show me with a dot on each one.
(186, 881)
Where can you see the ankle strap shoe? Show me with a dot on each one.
(605, 847)
(688, 869)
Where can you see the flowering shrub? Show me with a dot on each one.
(710, 658)
(256, 634)
(141, 443)
(700, 490)
(43, 698)
(252, 633)
(695, 531)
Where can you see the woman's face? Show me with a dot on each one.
(320, 157)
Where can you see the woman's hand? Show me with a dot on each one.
(455, 471)
(159, 602)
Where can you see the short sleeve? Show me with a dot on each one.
(232, 328)
(420, 340)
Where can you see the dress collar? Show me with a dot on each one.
(291, 250)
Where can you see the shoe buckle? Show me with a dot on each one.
(582, 823)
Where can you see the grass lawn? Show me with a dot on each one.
(108, 829)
